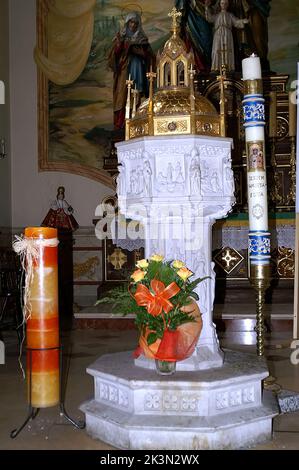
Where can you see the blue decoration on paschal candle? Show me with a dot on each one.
(254, 111)
(259, 246)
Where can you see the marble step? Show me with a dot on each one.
(219, 408)
(234, 430)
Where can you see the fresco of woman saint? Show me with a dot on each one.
(131, 56)
(77, 119)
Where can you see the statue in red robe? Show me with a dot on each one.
(60, 214)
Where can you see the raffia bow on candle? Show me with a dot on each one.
(28, 250)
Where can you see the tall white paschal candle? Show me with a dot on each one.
(254, 123)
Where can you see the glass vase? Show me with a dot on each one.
(165, 367)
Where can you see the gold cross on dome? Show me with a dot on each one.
(175, 14)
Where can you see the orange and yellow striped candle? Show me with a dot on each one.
(43, 321)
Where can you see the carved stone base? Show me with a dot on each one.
(220, 408)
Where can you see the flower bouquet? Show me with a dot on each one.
(167, 316)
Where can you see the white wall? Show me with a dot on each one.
(32, 192)
(5, 165)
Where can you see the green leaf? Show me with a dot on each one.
(194, 295)
(152, 338)
(197, 281)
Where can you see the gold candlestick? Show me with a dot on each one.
(260, 279)
(129, 84)
(135, 95)
(192, 99)
(151, 77)
(222, 102)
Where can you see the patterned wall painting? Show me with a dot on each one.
(76, 121)
(80, 115)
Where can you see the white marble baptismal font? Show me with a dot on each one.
(186, 184)
(176, 178)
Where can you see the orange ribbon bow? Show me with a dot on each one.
(155, 303)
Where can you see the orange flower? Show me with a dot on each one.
(138, 275)
(184, 273)
(158, 302)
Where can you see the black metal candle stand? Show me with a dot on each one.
(32, 411)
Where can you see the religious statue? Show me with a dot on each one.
(229, 181)
(197, 32)
(121, 180)
(134, 185)
(195, 182)
(147, 178)
(199, 267)
(60, 214)
(130, 56)
(223, 42)
(214, 182)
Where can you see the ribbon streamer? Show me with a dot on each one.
(155, 303)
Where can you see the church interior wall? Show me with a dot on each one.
(33, 191)
(5, 163)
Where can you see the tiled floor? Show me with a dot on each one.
(81, 347)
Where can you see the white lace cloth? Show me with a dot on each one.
(233, 237)
(237, 237)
